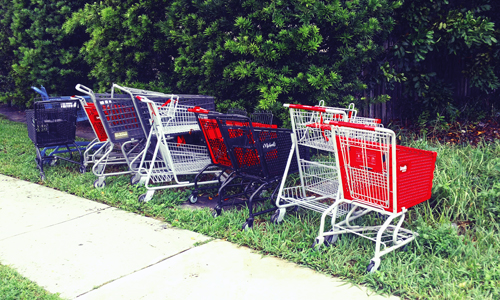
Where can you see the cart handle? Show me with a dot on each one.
(320, 126)
(199, 110)
(313, 108)
(145, 99)
(83, 89)
(353, 125)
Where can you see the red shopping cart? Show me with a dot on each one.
(376, 175)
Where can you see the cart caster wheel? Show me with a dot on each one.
(217, 211)
(318, 242)
(404, 248)
(142, 198)
(135, 179)
(247, 225)
(373, 265)
(193, 199)
(330, 240)
(277, 217)
(99, 184)
(53, 162)
(83, 169)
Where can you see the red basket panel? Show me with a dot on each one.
(216, 146)
(415, 173)
(95, 121)
(215, 143)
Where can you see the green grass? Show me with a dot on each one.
(13, 286)
(456, 256)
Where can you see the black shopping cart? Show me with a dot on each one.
(255, 155)
(52, 123)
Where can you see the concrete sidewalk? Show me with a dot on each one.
(87, 250)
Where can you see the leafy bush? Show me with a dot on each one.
(125, 44)
(264, 53)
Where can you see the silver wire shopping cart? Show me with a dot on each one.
(171, 159)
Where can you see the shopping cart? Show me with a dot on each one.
(53, 123)
(218, 152)
(254, 154)
(171, 159)
(376, 175)
(44, 96)
(123, 130)
(318, 182)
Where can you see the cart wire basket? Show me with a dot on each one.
(53, 123)
(191, 136)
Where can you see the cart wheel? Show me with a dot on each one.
(330, 240)
(193, 199)
(318, 242)
(83, 169)
(135, 179)
(142, 198)
(247, 225)
(404, 248)
(99, 184)
(217, 211)
(373, 265)
(53, 162)
(42, 176)
(275, 218)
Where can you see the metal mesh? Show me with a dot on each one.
(119, 118)
(307, 135)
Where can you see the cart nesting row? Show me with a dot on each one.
(364, 171)
(357, 168)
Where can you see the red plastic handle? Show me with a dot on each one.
(352, 125)
(199, 110)
(307, 107)
(166, 102)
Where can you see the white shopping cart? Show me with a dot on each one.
(171, 159)
(318, 183)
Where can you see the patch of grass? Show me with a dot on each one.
(456, 255)
(13, 286)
